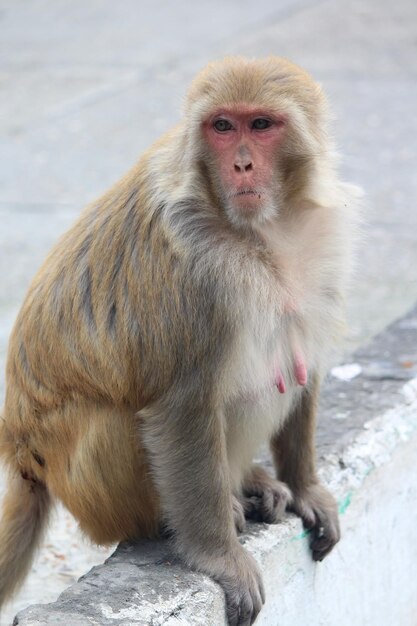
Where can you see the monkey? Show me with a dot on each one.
(184, 320)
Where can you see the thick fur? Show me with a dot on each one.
(25, 515)
(140, 368)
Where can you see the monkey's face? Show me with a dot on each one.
(244, 144)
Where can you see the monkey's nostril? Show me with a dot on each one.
(241, 168)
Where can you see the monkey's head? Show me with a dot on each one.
(260, 127)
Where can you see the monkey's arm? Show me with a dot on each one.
(294, 456)
(184, 435)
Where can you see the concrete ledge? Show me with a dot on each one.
(367, 445)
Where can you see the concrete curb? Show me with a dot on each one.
(367, 443)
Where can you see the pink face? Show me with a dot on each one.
(244, 141)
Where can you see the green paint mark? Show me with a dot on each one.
(305, 533)
(345, 503)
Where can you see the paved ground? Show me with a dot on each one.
(86, 86)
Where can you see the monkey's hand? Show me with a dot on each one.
(239, 576)
(318, 511)
(265, 499)
(300, 373)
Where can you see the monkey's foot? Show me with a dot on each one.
(264, 498)
(318, 511)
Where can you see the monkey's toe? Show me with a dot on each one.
(267, 503)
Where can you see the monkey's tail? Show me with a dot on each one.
(25, 514)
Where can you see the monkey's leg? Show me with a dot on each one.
(294, 455)
(95, 464)
(186, 440)
(264, 499)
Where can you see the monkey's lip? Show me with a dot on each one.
(247, 192)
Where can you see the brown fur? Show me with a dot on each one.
(25, 514)
(139, 374)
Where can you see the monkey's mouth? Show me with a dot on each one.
(247, 192)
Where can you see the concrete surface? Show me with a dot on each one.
(85, 86)
(370, 467)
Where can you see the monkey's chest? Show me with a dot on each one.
(284, 334)
(255, 407)
(264, 359)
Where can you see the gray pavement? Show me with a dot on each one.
(86, 86)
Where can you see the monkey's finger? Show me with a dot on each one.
(245, 617)
(240, 610)
(324, 537)
(252, 508)
(232, 613)
(267, 507)
(244, 601)
(273, 505)
(321, 547)
(258, 599)
(308, 517)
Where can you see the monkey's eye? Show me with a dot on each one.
(261, 123)
(222, 125)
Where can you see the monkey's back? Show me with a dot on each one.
(112, 314)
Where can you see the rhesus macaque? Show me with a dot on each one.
(186, 318)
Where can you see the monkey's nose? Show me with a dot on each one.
(243, 165)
